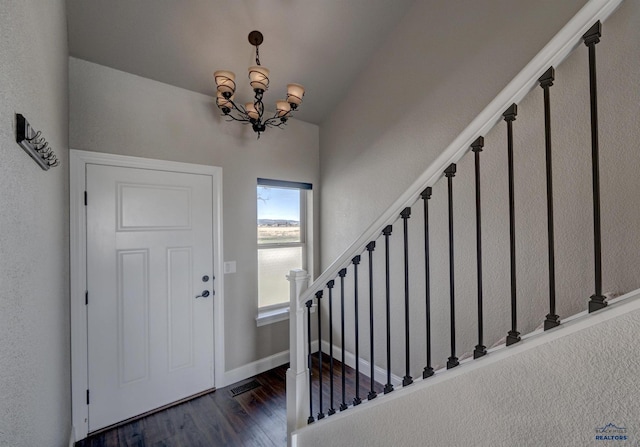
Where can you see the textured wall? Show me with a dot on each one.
(443, 65)
(555, 394)
(445, 82)
(35, 404)
(119, 113)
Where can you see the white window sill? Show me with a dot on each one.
(270, 316)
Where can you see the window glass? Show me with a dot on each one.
(281, 240)
(278, 215)
(273, 266)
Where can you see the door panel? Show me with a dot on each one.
(149, 243)
(181, 330)
(138, 210)
(132, 315)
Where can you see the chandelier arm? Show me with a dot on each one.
(272, 121)
(242, 119)
(239, 108)
(275, 124)
(277, 117)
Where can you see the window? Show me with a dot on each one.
(282, 237)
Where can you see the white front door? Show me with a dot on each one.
(149, 263)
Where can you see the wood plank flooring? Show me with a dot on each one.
(254, 418)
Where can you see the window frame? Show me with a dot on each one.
(280, 311)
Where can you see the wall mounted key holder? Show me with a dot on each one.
(35, 144)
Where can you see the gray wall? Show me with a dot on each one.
(438, 71)
(115, 112)
(443, 65)
(35, 403)
(554, 394)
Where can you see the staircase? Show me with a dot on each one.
(554, 388)
(419, 296)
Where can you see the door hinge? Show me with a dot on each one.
(85, 198)
(87, 397)
(86, 297)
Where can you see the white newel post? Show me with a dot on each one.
(298, 373)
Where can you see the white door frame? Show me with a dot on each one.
(78, 268)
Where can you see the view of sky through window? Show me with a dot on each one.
(278, 203)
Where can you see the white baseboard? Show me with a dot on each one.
(364, 365)
(255, 368)
(275, 360)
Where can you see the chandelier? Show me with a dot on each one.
(253, 112)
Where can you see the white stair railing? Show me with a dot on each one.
(298, 372)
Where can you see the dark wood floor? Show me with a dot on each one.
(254, 418)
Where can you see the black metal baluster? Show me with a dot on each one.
(330, 285)
(356, 261)
(546, 80)
(591, 38)
(509, 116)
(426, 195)
(309, 362)
(319, 310)
(371, 246)
(450, 172)
(476, 147)
(405, 214)
(342, 273)
(387, 232)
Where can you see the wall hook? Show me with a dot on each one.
(34, 144)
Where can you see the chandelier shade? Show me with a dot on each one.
(225, 81)
(259, 78)
(282, 107)
(223, 102)
(253, 112)
(295, 92)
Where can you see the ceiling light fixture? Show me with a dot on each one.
(253, 112)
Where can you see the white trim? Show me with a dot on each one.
(269, 316)
(364, 365)
(617, 307)
(254, 368)
(273, 314)
(562, 44)
(265, 364)
(78, 263)
(72, 438)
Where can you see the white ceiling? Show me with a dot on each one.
(322, 44)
